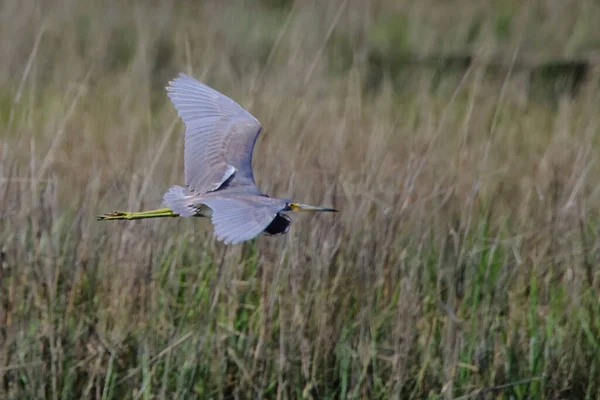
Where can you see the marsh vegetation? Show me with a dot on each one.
(464, 261)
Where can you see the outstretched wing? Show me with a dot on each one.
(238, 220)
(219, 136)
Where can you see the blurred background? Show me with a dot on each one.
(459, 139)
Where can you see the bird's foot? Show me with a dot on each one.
(114, 215)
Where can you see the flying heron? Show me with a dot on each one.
(219, 140)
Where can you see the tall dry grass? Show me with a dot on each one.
(463, 262)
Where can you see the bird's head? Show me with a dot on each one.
(291, 206)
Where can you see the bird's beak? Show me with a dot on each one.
(306, 207)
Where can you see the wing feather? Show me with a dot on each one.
(219, 137)
(237, 220)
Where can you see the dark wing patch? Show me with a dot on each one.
(279, 226)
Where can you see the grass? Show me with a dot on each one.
(462, 263)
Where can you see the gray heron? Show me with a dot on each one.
(219, 141)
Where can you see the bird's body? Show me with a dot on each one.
(219, 140)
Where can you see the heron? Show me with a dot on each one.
(219, 184)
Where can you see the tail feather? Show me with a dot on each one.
(179, 202)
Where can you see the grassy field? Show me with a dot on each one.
(463, 264)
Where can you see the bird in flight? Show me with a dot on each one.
(219, 140)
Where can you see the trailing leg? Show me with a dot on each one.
(159, 213)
